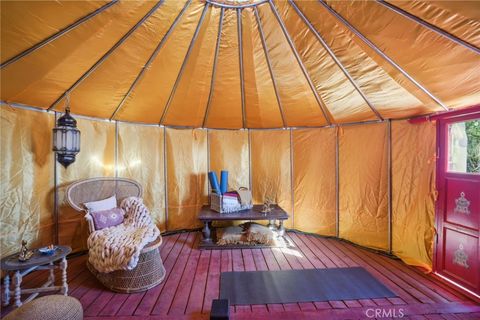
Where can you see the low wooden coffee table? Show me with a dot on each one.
(207, 216)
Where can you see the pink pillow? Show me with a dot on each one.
(107, 218)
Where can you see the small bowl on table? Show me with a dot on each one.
(48, 251)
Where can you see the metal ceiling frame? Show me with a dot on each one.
(214, 68)
(152, 57)
(106, 55)
(334, 57)
(58, 34)
(231, 6)
(184, 64)
(240, 61)
(267, 58)
(430, 26)
(381, 53)
(320, 102)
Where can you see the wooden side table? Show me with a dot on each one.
(38, 261)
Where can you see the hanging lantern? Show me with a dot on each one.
(66, 138)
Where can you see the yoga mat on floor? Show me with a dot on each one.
(287, 286)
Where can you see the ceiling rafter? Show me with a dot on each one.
(184, 64)
(381, 53)
(240, 62)
(106, 55)
(214, 68)
(231, 6)
(272, 75)
(320, 102)
(58, 34)
(334, 57)
(430, 26)
(152, 57)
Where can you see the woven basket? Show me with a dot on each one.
(148, 273)
(52, 307)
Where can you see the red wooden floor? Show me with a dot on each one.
(193, 281)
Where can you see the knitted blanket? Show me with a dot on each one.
(118, 247)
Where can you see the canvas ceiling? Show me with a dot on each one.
(254, 64)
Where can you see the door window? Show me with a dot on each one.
(464, 147)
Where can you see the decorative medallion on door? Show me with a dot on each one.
(461, 257)
(462, 204)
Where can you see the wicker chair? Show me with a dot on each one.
(149, 271)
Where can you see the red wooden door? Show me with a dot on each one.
(458, 206)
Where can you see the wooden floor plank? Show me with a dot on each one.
(193, 279)
(179, 303)
(170, 285)
(151, 296)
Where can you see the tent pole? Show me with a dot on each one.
(430, 26)
(214, 71)
(381, 53)
(55, 195)
(150, 59)
(334, 57)
(389, 168)
(165, 175)
(106, 55)
(292, 168)
(116, 150)
(320, 102)
(267, 57)
(184, 63)
(57, 35)
(337, 183)
(240, 59)
(250, 158)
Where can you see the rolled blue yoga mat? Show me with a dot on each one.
(223, 181)
(212, 176)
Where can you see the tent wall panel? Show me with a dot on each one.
(141, 158)
(314, 180)
(26, 179)
(413, 190)
(186, 176)
(96, 159)
(363, 185)
(271, 169)
(229, 151)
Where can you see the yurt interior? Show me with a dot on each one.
(240, 159)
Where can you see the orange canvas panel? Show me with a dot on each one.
(298, 100)
(140, 157)
(45, 19)
(261, 105)
(413, 192)
(336, 91)
(229, 151)
(225, 110)
(26, 179)
(392, 97)
(95, 159)
(459, 18)
(270, 165)
(421, 52)
(186, 176)
(183, 110)
(314, 180)
(363, 185)
(124, 64)
(43, 76)
(147, 101)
